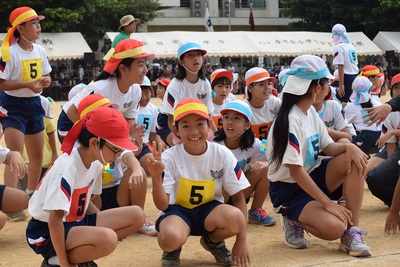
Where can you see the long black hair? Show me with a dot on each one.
(105, 75)
(280, 133)
(246, 140)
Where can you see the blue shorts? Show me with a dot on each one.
(194, 218)
(382, 154)
(109, 198)
(162, 129)
(38, 234)
(64, 124)
(145, 150)
(2, 188)
(347, 82)
(366, 141)
(23, 113)
(290, 199)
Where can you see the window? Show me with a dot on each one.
(246, 3)
(185, 3)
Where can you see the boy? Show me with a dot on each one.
(187, 187)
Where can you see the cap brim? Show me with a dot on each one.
(223, 111)
(201, 114)
(148, 56)
(123, 144)
(224, 74)
(296, 86)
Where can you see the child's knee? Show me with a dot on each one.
(237, 221)
(334, 229)
(109, 241)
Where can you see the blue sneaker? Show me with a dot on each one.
(259, 216)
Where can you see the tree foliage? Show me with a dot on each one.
(90, 17)
(368, 16)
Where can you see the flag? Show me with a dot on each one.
(207, 21)
(251, 20)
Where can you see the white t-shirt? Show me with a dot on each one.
(307, 136)
(195, 180)
(392, 122)
(263, 117)
(68, 186)
(331, 114)
(346, 55)
(147, 116)
(354, 116)
(25, 66)
(128, 103)
(178, 90)
(3, 153)
(249, 155)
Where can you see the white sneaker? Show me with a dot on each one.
(148, 229)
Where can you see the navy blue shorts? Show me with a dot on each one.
(366, 141)
(348, 81)
(194, 218)
(23, 113)
(290, 199)
(145, 150)
(2, 188)
(382, 154)
(109, 198)
(38, 234)
(64, 124)
(162, 129)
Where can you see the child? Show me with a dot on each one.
(190, 82)
(221, 81)
(302, 184)
(345, 58)
(237, 135)
(187, 187)
(366, 136)
(128, 62)
(264, 106)
(162, 87)
(24, 72)
(66, 228)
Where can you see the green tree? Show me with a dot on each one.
(368, 16)
(90, 17)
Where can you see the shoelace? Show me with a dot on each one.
(356, 235)
(261, 212)
(147, 224)
(297, 230)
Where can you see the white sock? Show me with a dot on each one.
(29, 192)
(54, 260)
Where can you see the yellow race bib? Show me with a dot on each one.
(31, 69)
(192, 193)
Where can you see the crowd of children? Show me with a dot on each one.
(208, 154)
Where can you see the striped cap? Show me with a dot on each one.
(220, 73)
(190, 106)
(257, 74)
(92, 102)
(371, 70)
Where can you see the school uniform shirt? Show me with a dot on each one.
(113, 178)
(68, 186)
(307, 136)
(216, 114)
(392, 122)
(246, 156)
(128, 103)
(231, 97)
(332, 114)
(263, 117)
(147, 116)
(192, 180)
(24, 66)
(354, 115)
(178, 90)
(346, 55)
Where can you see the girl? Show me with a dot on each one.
(264, 106)
(302, 184)
(162, 87)
(189, 82)
(24, 72)
(221, 81)
(366, 136)
(66, 228)
(237, 135)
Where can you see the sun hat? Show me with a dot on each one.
(257, 74)
(105, 123)
(339, 34)
(91, 102)
(238, 106)
(361, 86)
(127, 48)
(190, 106)
(189, 46)
(282, 73)
(17, 17)
(221, 73)
(395, 80)
(165, 82)
(146, 82)
(302, 71)
(126, 20)
(370, 70)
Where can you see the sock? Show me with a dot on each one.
(29, 192)
(53, 261)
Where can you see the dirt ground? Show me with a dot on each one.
(265, 243)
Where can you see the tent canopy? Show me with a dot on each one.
(60, 46)
(388, 41)
(250, 44)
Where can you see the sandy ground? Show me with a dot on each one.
(265, 243)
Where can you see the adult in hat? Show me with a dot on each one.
(302, 186)
(126, 28)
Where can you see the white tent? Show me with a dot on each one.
(250, 44)
(388, 41)
(60, 46)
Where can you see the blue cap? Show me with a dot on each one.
(189, 46)
(238, 106)
(146, 82)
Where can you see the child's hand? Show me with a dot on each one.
(341, 212)
(155, 165)
(356, 155)
(45, 81)
(258, 166)
(382, 140)
(136, 179)
(138, 132)
(17, 163)
(35, 86)
(392, 223)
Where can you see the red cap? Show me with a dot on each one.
(395, 79)
(105, 123)
(371, 70)
(165, 82)
(91, 102)
(30, 14)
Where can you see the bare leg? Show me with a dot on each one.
(14, 140)
(34, 148)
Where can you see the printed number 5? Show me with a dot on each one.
(195, 197)
(33, 70)
(81, 205)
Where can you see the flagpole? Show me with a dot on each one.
(229, 15)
